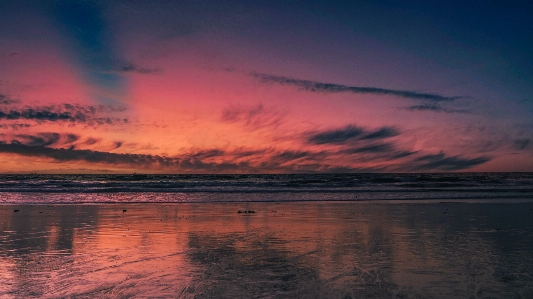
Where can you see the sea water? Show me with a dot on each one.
(288, 187)
(267, 236)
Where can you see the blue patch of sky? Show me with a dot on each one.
(91, 45)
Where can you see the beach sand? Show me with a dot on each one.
(268, 250)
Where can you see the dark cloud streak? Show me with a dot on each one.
(350, 133)
(337, 136)
(91, 141)
(64, 155)
(374, 148)
(132, 68)
(41, 139)
(445, 163)
(284, 161)
(434, 108)
(42, 115)
(208, 154)
(15, 126)
(314, 86)
(45, 139)
(65, 113)
(71, 138)
(385, 132)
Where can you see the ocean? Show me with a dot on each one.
(467, 235)
(136, 188)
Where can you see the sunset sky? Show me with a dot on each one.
(265, 86)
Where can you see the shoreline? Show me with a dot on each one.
(480, 200)
(198, 197)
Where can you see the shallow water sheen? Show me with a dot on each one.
(282, 250)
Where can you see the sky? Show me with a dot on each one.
(205, 86)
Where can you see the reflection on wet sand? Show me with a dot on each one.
(284, 250)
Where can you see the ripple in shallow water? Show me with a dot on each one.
(284, 250)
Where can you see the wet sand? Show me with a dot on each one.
(269, 250)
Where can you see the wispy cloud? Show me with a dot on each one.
(361, 146)
(132, 68)
(91, 141)
(253, 117)
(117, 144)
(291, 156)
(442, 162)
(369, 158)
(14, 126)
(42, 115)
(45, 139)
(336, 136)
(381, 133)
(384, 152)
(314, 86)
(41, 139)
(64, 155)
(71, 138)
(373, 148)
(5, 100)
(185, 163)
(348, 134)
(205, 154)
(65, 113)
(435, 108)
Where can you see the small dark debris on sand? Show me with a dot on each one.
(16, 211)
(124, 211)
(246, 212)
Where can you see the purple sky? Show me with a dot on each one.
(265, 87)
